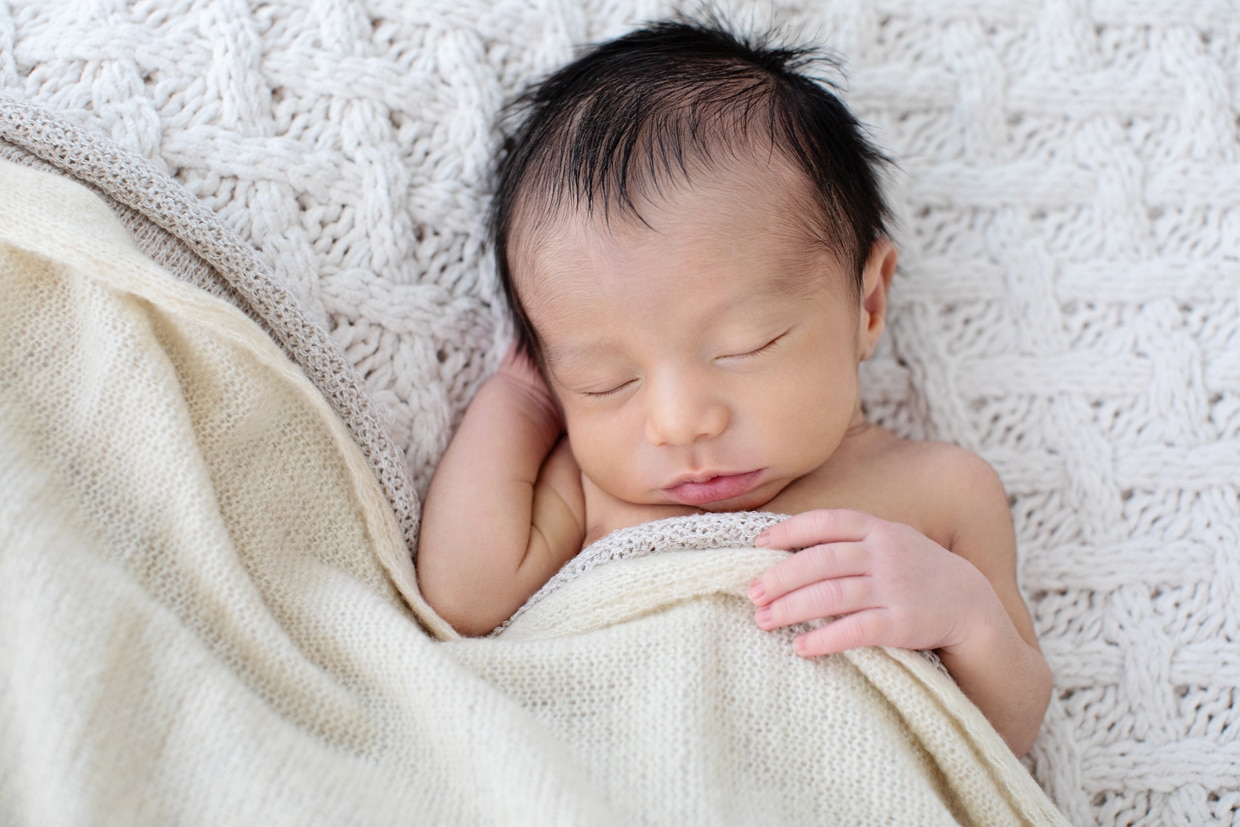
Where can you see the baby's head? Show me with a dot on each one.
(637, 119)
(692, 236)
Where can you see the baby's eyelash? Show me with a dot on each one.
(607, 393)
(758, 351)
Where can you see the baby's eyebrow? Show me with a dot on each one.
(557, 355)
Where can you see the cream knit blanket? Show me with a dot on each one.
(1067, 306)
(206, 612)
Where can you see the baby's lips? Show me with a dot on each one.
(714, 489)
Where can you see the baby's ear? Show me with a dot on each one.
(880, 266)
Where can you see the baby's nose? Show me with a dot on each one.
(680, 414)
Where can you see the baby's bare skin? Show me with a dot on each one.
(858, 476)
(706, 359)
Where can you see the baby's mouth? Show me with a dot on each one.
(705, 489)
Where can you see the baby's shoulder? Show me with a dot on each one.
(947, 491)
(944, 466)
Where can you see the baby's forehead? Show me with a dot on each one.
(757, 238)
(758, 190)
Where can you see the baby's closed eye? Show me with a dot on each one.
(767, 347)
(610, 390)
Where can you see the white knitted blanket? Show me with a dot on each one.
(1067, 304)
(206, 612)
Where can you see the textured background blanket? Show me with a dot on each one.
(1066, 306)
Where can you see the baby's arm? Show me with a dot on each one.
(505, 508)
(890, 585)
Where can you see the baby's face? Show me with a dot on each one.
(709, 359)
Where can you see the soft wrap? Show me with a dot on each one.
(208, 613)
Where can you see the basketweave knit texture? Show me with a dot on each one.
(1069, 203)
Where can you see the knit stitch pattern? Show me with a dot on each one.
(1068, 198)
(187, 518)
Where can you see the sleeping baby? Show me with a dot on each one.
(692, 235)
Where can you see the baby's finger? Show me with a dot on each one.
(826, 598)
(811, 565)
(810, 528)
(866, 628)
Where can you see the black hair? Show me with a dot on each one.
(611, 128)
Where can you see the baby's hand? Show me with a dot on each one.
(884, 583)
(517, 369)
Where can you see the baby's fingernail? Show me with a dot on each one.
(763, 615)
(764, 539)
(756, 591)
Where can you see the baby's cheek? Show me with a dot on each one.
(597, 450)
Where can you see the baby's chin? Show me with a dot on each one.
(739, 504)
